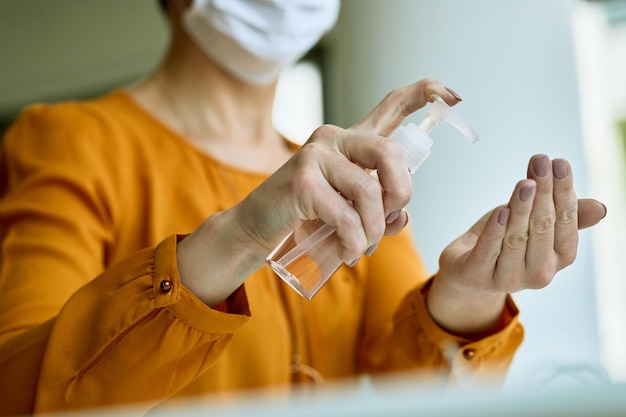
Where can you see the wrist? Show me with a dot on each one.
(472, 315)
(216, 258)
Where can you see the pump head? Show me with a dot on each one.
(439, 112)
(415, 140)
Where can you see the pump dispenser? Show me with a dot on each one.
(308, 256)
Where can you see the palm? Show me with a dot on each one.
(470, 267)
(476, 262)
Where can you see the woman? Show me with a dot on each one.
(135, 226)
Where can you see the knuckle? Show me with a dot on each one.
(324, 132)
(542, 224)
(568, 214)
(349, 219)
(429, 83)
(391, 148)
(399, 196)
(394, 95)
(309, 149)
(404, 194)
(567, 257)
(489, 254)
(516, 241)
(386, 149)
(308, 156)
(400, 99)
(353, 242)
(429, 86)
(368, 187)
(302, 180)
(540, 279)
(376, 230)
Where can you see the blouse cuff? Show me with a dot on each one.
(171, 294)
(508, 321)
(495, 350)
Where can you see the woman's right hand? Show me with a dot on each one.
(327, 179)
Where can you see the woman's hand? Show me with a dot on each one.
(514, 247)
(328, 178)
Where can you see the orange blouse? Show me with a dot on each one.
(95, 196)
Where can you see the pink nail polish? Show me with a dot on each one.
(541, 166)
(559, 168)
(454, 93)
(371, 249)
(503, 216)
(392, 216)
(526, 193)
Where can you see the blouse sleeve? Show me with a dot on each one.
(71, 335)
(411, 341)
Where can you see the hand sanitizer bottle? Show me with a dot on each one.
(308, 256)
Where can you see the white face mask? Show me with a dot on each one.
(256, 39)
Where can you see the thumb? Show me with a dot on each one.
(590, 212)
(400, 103)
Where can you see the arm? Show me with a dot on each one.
(401, 335)
(68, 340)
(58, 213)
(335, 163)
(122, 338)
(467, 305)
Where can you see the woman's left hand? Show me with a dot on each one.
(514, 247)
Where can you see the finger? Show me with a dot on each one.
(590, 212)
(386, 157)
(365, 195)
(400, 103)
(540, 254)
(483, 259)
(512, 261)
(345, 197)
(566, 204)
(396, 221)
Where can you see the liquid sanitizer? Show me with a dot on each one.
(308, 256)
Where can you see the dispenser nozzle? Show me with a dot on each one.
(415, 140)
(439, 112)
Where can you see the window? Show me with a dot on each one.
(600, 41)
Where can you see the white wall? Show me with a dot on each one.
(513, 64)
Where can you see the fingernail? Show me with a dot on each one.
(503, 216)
(541, 166)
(407, 219)
(371, 249)
(354, 262)
(454, 93)
(559, 167)
(605, 211)
(392, 216)
(526, 193)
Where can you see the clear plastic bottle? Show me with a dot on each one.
(309, 256)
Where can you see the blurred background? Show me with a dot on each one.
(536, 76)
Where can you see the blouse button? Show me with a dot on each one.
(166, 285)
(469, 354)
